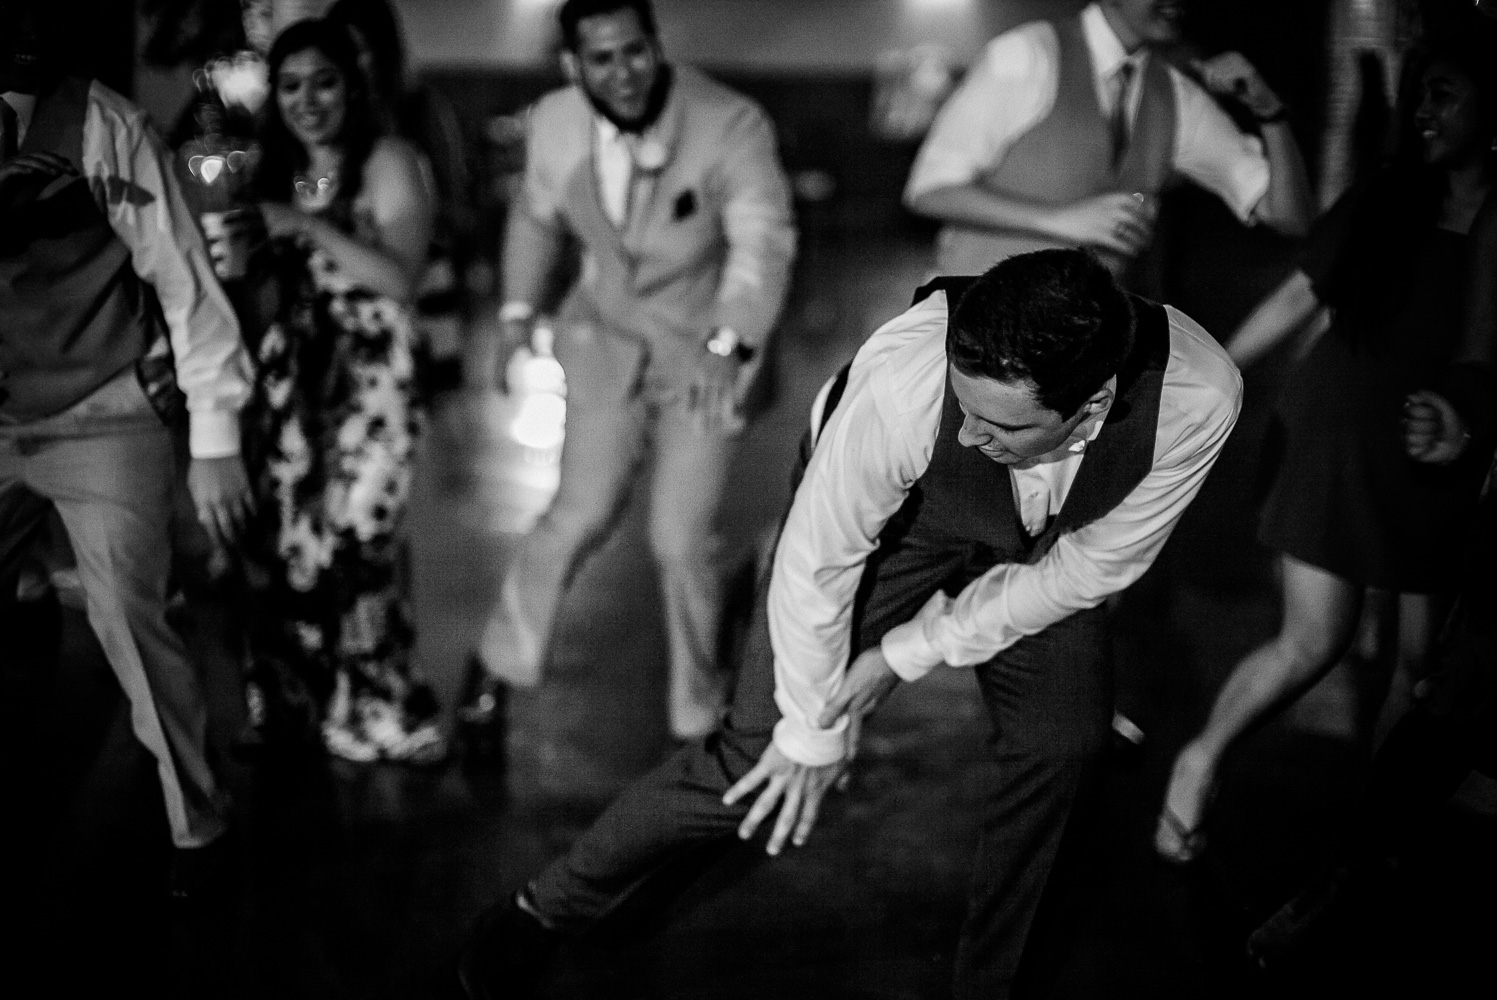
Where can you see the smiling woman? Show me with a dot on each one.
(1348, 509)
(335, 422)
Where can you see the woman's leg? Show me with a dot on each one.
(1419, 616)
(1319, 619)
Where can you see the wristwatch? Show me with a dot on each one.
(725, 343)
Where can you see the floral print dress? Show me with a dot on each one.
(334, 428)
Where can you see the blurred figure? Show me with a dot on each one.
(94, 232)
(673, 188)
(1085, 420)
(420, 114)
(1348, 510)
(334, 424)
(1426, 757)
(1066, 131)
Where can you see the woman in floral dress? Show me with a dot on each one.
(335, 422)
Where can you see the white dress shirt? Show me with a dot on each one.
(132, 176)
(1013, 88)
(879, 442)
(615, 165)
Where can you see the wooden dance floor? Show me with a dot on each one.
(358, 882)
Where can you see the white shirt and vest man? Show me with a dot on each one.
(686, 235)
(905, 539)
(1058, 112)
(104, 278)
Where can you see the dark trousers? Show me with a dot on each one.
(1050, 700)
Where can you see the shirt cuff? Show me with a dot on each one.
(907, 648)
(807, 746)
(213, 433)
(1251, 180)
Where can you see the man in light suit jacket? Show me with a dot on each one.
(672, 187)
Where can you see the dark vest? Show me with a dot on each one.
(1068, 155)
(965, 499)
(73, 313)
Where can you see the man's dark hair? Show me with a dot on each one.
(574, 12)
(1053, 318)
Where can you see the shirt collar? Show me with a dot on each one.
(1107, 50)
(24, 105)
(1082, 435)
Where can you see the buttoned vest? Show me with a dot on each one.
(73, 313)
(1068, 156)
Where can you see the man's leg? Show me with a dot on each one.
(114, 494)
(1050, 700)
(22, 516)
(691, 469)
(604, 439)
(678, 806)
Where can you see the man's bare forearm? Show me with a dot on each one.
(975, 205)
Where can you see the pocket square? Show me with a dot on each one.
(686, 204)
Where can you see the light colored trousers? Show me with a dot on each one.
(616, 419)
(107, 465)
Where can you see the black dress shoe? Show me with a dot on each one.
(1326, 906)
(204, 874)
(507, 955)
(482, 713)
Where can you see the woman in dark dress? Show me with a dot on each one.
(1349, 510)
(335, 424)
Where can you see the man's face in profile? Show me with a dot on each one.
(1005, 421)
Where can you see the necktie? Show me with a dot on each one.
(1122, 87)
(10, 131)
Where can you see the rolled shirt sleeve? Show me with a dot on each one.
(131, 170)
(1213, 152)
(876, 444)
(759, 225)
(1007, 93)
(1198, 408)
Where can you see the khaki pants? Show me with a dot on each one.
(615, 422)
(106, 464)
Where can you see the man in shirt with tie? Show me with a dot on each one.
(994, 464)
(106, 290)
(672, 187)
(1066, 131)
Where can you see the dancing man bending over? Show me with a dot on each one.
(995, 462)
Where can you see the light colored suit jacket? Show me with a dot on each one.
(710, 236)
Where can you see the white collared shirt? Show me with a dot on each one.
(615, 165)
(1013, 88)
(1042, 484)
(879, 442)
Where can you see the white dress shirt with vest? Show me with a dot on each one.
(96, 268)
(878, 444)
(1037, 117)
